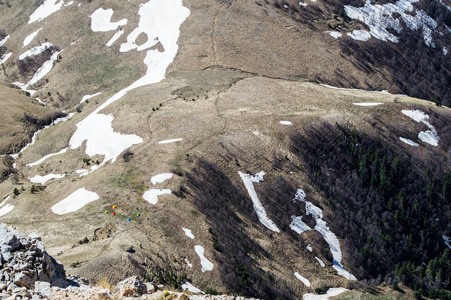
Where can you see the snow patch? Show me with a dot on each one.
(4, 201)
(43, 179)
(328, 235)
(82, 172)
(45, 9)
(360, 35)
(447, 241)
(115, 37)
(47, 156)
(303, 4)
(248, 181)
(408, 142)
(303, 279)
(160, 178)
(40, 101)
(191, 288)
(87, 97)
(429, 136)
(368, 103)
(101, 20)
(188, 263)
(330, 293)
(151, 195)
(188, 233)
(320, 262)
(206, 264)
(298, 225)
(5, 57)
(335, 34)
(286, 123)
(3, 41)
(170, 141)
(30, 37)
(445, 51)
(6, 209)
(74, 201)
(309, 248)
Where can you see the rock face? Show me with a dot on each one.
(25, 261)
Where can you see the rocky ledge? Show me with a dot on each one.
(27, 271)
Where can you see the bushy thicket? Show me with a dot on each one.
(390, 208)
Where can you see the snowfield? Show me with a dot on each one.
(303, 279)
(429, 136)
(45, 9)
(248, 181)
(100, 137)
(206, 264)
(151, 195)
(330, 293)
(160, 178)
(188, 233)
(380, 19)
(328, 235)
(101, 20)
(30, 37)
(74, 201)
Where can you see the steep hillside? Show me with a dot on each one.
(197, 148)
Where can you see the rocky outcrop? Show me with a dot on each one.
(27, 271)
(25, 261)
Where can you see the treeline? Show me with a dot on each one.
(390, 211)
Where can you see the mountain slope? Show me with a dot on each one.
(196, 149)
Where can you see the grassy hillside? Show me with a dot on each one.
(238, 100)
